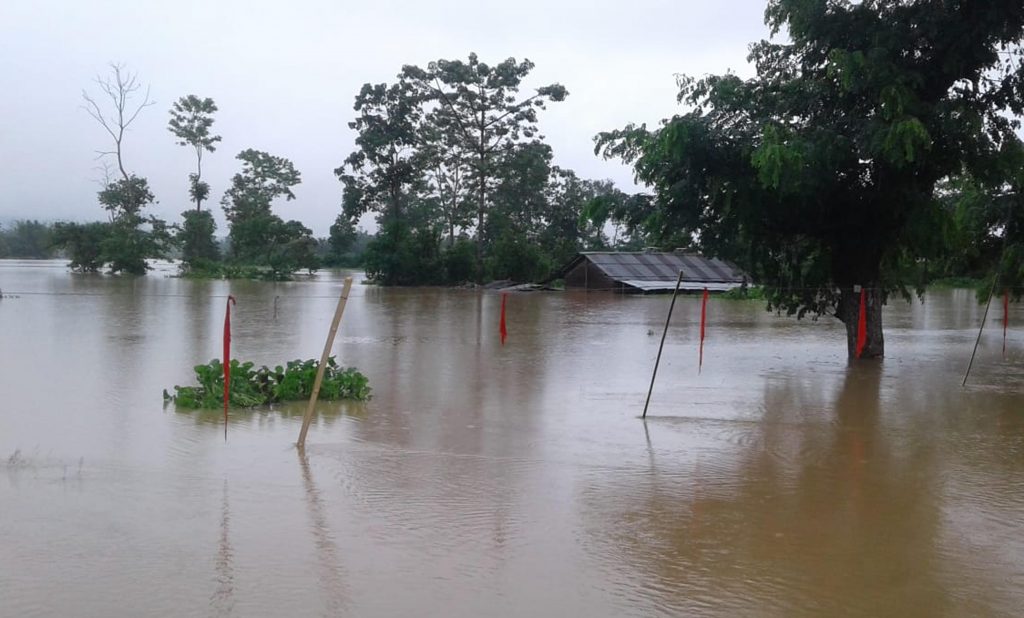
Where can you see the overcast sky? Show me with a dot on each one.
(284, 74)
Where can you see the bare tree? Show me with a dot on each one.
(121, 87)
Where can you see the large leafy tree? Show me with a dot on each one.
(446, 164)
(479, 108)
(382, 174)
(82, 243)
(820, 173)
(247, 204)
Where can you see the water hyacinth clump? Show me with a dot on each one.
(254, 387)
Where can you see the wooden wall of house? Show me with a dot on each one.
(587, 276)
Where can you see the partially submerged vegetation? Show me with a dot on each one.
(746, 292)
(252, 387)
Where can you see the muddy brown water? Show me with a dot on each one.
(484, 480)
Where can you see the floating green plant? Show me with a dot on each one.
(254, 387)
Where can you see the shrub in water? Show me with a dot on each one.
(253, 387)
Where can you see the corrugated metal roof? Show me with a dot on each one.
(653, 286)
(633, 268)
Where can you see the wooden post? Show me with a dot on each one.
(323, 361)
(662, 345)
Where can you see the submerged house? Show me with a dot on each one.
(648, 271)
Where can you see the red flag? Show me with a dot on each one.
(1006, 317)
(862, 323)
(501, 326)
(703, 320)
(227, 358)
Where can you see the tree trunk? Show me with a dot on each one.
(849, 313)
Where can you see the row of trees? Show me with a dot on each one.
(451, 160)
(32, 239)
(257, 238)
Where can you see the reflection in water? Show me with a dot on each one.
(329, 572)
(828, 515)
(223, 600)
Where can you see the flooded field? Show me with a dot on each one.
(484, 480)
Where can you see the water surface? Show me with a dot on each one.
(490, 480)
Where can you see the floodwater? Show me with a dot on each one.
(515, 480)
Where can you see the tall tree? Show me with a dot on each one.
(121, 89)
(447, 167)
(479, 105)
(820, 173)
(191, 120)
(383, 171)
(128, 244)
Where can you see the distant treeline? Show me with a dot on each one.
(37, 240)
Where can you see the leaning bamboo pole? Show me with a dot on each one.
(662, 344)
(323, 361)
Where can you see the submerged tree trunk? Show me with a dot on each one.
(849, 313)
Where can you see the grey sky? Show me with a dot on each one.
(284, 74)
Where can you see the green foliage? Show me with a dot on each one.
(514, 258)
(82, 243)
(206, 269)
(247, 204)
(453, 150)
(125, 199)
(191, 121)
(478, 115)
(291, 247)
(196, 238)
(384, 171)
(27, 239)
(251, 386)
(824, 170)
(458, 262)
(744, 293)
(131, 237)
(345, 246)
(400, 256)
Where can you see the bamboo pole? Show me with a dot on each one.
(977, 341)
(995, 285)
(323, 361)
(662, 344)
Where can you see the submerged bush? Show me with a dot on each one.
(253, 387)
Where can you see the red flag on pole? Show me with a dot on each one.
(227, 358)
(1006, 317)
(703, 320)
(501, 326)
(862, 323)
